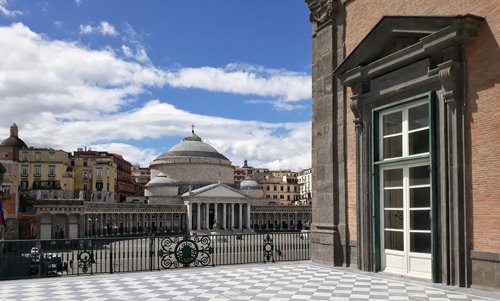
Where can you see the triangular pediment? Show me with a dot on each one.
(393, 34)
(215, 190)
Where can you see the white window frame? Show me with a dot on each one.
(52, 171)
(405, 132)
(25, 157)
(99, 173)
(38, 157)
(24, 171)
(38, 171)
(85, 175)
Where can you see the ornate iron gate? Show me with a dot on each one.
(185, 250)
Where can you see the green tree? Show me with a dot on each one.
(25, 200)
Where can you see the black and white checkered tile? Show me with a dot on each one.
(284, 281)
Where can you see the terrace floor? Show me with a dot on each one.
(301, 280)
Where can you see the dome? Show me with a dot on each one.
(248, 183)
(14, 140)
(192, 146)
(160, 180)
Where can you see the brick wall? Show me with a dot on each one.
(483, 103)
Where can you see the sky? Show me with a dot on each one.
(131, 77)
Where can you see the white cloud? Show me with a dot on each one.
(66, 95)
(140, 54)
(78, 2)
(5, 11)
(58, 23)
(104, 28)
(86, 29)
(242, 79)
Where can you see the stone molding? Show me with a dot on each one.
(321, 10)
(434, 63)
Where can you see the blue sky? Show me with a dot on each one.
(131, 77)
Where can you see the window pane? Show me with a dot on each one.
(418, 117)
(419, 175)
(420, 220)
(420, 242)
(393, 147)
(418, 142)
(420, 197)
(393, 198)
(394, 240)
(393, 123)
(393, 219)
(393, 178)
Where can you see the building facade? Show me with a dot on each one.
(282, 186)
(9, 159)
(305, 186)
(404, 131)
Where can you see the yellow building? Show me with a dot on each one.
(46, 173)
(95, 176)
(282, 185)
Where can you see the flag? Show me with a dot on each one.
(2, 218)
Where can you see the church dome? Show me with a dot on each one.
(192, 146)
(14, 140)
(160, 180)
(249, 183)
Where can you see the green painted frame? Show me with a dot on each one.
(431, 96)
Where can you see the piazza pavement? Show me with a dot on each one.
(300, 280)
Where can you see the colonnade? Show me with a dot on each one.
(102, 224)
(229, 215)
(278, 220)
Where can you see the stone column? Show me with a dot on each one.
(189, 216)
(249, 223)
(240, 215)
(215, 213)
(207, 220)
(232, 216)
(198, 214)
(53, 225)
(66, 232)
(224, 224)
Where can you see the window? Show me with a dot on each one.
(282, 197)
(275, 196)
(288, 188)
(405, 187)
(268, 188)
(6, 191)
(24, 185)
(99, 173)
(37, 171)
(288, 197)
(38, 157)
(281, 188)
(108, 186)
(268, 196)
(85, 175)
(24, 171)
(52, 171)
(72, 162)
(84, 163)
(52, 157)
(25, 157)
(85, 186)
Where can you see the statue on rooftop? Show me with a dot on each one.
(216, 225)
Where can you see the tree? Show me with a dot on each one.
(25, 200)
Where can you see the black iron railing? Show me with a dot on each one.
(61, 257)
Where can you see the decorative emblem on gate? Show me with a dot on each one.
(85, 255)
(268, 249)
(185, 251)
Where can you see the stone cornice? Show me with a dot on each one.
(321, 10)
